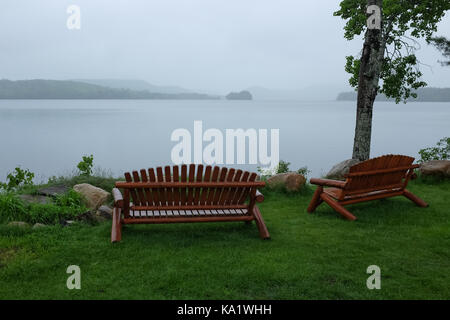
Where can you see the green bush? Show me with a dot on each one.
(440, 152)
(304, 171)
(11, 208)
(283, 166)
(18, 178)
(85, 165)
(67, 206)
(103, 182)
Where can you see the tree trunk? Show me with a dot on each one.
(369, 76)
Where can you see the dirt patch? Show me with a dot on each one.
(6, 255)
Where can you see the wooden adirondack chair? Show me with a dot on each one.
(377, 178)
(215, 194)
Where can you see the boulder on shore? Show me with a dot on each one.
(291, 181)
(31, 198)
(53, 191)
(439, 168)
(94, 197)
(20, 224)
(105, 211)
(339, 170)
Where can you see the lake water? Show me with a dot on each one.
(50, 136)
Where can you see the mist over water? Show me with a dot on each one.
(50, 136)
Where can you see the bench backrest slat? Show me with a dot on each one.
(133, 193)
(234, 190)
(139, 191)
(155, 192)
(198, 178)
(239, 190)
(161, 191)
(206, 178)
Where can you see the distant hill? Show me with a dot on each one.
(243, 95)
(423, 95)
(58, 89)
(138, 85)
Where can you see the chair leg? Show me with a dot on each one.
(316, 200)
(415, 199)
(263, 232)
(337, 207)
(116, 230)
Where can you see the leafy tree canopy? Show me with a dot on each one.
(443, 45)
(403, 21)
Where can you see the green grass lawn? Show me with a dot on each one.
(310, 256)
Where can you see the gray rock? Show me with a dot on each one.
(105, 212)
(21, 224)
(88, 217)
(66, 223)
(436, 168)
(98, 217)
(38, 225)
(30, 198)
(53, 190)
(339, 170)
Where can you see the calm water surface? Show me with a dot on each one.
(50, 136)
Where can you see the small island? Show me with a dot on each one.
(243, 95)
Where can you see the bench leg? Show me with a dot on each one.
(263, 232)
(337, 207)
(415, 199)
(316, 200)
(116, 230)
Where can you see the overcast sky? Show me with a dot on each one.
(215, 45)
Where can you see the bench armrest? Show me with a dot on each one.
(118, 198)
(259, 197)
(328, 183)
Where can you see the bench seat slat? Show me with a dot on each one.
(136, 214)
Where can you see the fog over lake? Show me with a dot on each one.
(50, 136)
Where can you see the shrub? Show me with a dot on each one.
(67, 206)
(440, 152)
(11, 208)
(103, 182)
(85, 165)
(18, 178)
(282, 167)
(304, 171)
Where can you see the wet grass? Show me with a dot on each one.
(310, 256)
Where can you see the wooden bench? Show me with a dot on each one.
(176, 195)
(377, 178)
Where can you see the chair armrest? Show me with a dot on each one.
(118, 198)
(328, 183)
(259, 197)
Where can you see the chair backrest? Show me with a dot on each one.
(389, 171)
(193, 187)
